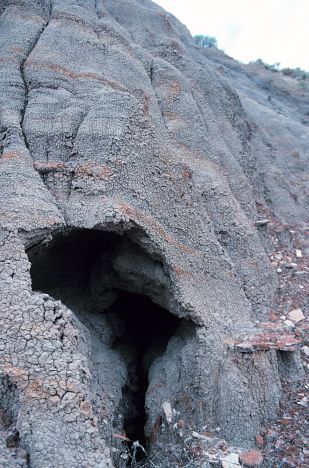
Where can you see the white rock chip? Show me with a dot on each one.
(288, 323)
(296, 315)
(306, 350)
(168, 412)
(231, 461)
(299, 253)
(303, 402)
(196, 435)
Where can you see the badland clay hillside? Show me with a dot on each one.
(152, 244)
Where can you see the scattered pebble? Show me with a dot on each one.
(291, 265)
(230, 461)
(251, 458)
(168, 412)
(181, 424)
(303, 402)
(262, 222)
(259, 441)
(296, 315)
(285, 421)
(285, 443)
(306, 350)
(288, 323)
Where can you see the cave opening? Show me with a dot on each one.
(79, 269)
(148, 328)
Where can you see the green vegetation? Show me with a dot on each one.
(206, 41)
(275, 67)
(296, 73)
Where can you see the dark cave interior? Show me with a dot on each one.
(65, 268)
(148, 329)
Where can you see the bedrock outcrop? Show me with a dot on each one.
(135, 171)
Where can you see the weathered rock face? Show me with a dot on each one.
(132, 262)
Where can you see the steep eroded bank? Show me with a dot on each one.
(136, 169)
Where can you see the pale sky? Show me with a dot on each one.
(273, 30)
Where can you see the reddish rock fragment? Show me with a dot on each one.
(281, 341)
(181, 424)
(251, 458)
(259, 441)
(285, 421)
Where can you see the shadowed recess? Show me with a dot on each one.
(77, 268)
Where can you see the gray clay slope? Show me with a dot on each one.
(112, 119)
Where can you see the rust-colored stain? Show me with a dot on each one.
(17, 49)
(9, 155)
(180, 271)
(35, 390)
(155, 429)
(100, 171)
(14, 373)
(175, 89)
(166, 21)
(187, 172)
(49, 167)
(146, 101)
(54, 67)
(153, 224)
(94, 170)
(121, 437)
(280, 340)
(80, 22)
